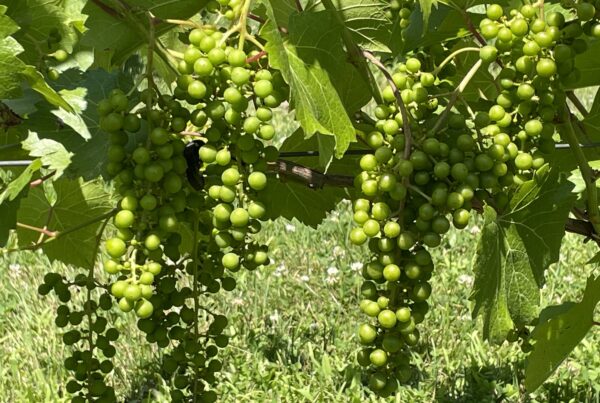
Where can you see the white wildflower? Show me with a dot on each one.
(274, 317)
(332, 271)
(356, 266)
(465, 279)
(237, 302)
(568, 279)
(290, 227)
(280, 270)
(475, 230)
(338, 251)
(304, 278)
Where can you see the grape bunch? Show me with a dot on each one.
(402, 10)
(91, 343)
(150, 176)
(587, 21)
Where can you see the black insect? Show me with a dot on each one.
(193, 164)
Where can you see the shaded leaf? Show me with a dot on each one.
(114, 38)
(293, 200)
(556, 337)
(77, 202)
(514, 251)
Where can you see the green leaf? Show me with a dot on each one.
(39, 84)
(80, 134)
(588, 66)
(37, 19)
(116, 37)
(577, 179)
(323, 85)
(514, 251)
(54, 156)
(555, 338)
(293, 200)
(77, 202)
(14, 189)
(445, 23)
(482, 86)
(347, 165)
(9, 219)
(10, 65)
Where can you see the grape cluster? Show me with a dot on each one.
(153, 193)
(403, 10)
(92, 346)
(587, 21)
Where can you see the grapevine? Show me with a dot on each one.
(425, 118)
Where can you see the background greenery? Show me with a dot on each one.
(294, 325)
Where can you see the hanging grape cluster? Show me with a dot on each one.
(412, 195)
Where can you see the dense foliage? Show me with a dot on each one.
(140, 135)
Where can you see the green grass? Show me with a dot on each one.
(293, 325)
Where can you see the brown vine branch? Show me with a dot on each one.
(310, 177)
(298, 5)
(44, 231)
(41, 180)
(256, 57)
(107, 9)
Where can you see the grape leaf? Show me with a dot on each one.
(116, 37)
(347, 165)
(445, 23)
(54, 156)
(482, 86)
(514, 251)
(559, 334)
(314, 64)
(9, 218)
(77, 202)
(82, 139)
(14, 188)
(10, 65)
(588, 66)
(38, 19)
(293, 200)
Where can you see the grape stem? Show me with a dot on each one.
(149, 76)
(588, 175)
(196, 222)
(452, 56)
(187, 23)
(41, 180)
(59, 234)
(107, 9)
(461, 87)
(420, 192)
(44, 231)
(405, 118)
(243, 22)
(90, 336)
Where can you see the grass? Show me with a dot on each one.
(294, 323)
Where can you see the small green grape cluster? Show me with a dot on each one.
(588, 17)
(230, 9)
(55, 54)
(92, 345)
(154, 191)
(403, 10)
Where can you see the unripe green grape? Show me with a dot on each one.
(371, 228)
(227, 193)
(152, 242)
(488, 53)
(239, 217)
(230, 261)
(367, 334)
(115, 247)
(377, 381)
(523, 161)
(413, 65)
(406, 240)
(257, 180)
(358, 236)
(237, 58)
(125, 305)
(197, 89)
(153, 172)
(546, 67)
(392, 272)
(494, 12)
(230, 177)
(144, 309)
